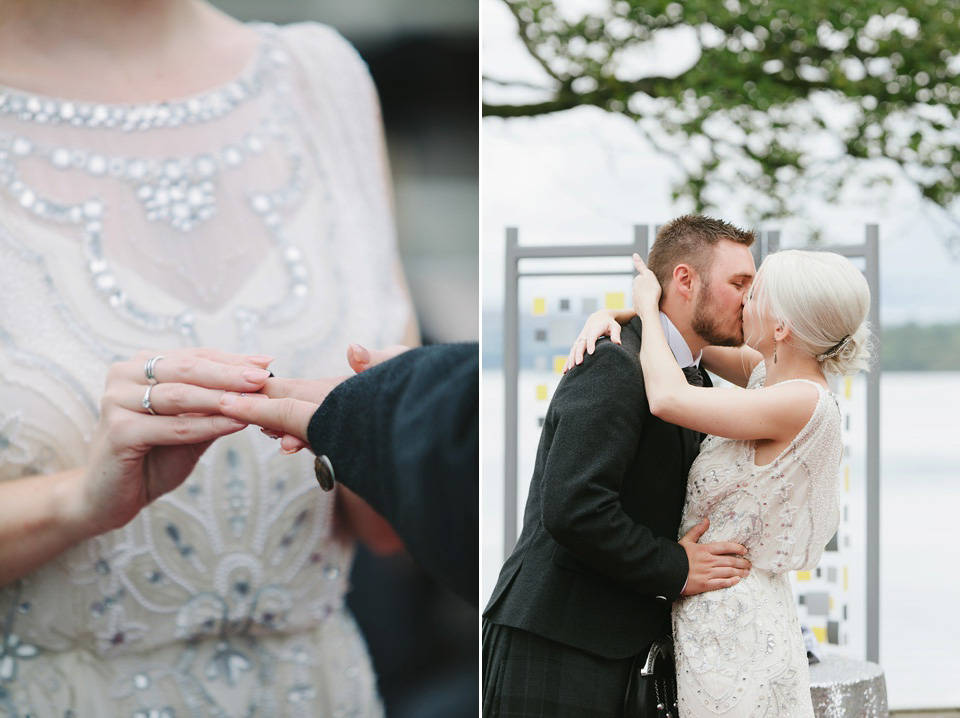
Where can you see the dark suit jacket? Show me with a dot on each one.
(597, 563)
(404, 436)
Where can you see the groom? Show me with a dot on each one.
(589, 584)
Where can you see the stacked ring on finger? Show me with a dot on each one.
(148, 370)
(145, 402)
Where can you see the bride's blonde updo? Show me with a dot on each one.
(824, 300)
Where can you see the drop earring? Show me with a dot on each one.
(774, 351)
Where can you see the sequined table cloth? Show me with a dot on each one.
(844, 688)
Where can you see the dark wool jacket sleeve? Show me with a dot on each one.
(404, 436)
(597, 432)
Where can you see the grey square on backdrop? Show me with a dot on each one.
(818, 604)
(833, 632)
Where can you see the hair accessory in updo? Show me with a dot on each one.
(835, 349)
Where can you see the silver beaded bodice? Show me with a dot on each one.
(254, 218)
(739, 650)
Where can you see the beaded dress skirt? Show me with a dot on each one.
(739, 650)
(253, 218)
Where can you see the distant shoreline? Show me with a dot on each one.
(907, 347)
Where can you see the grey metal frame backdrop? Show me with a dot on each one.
(768, 243)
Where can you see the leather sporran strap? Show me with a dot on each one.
(652, 685)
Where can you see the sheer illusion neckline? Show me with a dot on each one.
(751, 446)
(55, 109)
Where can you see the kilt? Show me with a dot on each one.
(528, 676)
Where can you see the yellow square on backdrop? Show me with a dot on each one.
(821, 633)
(803, 575)
(539, 306)
(846, 477)
(847, 386)
(614, 300)
(541, 392)
(558, 363)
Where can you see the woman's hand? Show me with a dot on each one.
(137, 456)
(599, 324)
(646, 288)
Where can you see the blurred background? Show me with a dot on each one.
(423, 55)
(814, 119)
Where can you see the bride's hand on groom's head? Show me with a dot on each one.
(646, 287)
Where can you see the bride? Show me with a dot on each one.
(172, 178)
(765, 477)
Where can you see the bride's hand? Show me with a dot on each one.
(599, 324)
(646, 287)
(137, 456)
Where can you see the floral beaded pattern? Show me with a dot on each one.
(179, 191)
(739, 650)
(253, 218)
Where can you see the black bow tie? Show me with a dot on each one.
(694, 377)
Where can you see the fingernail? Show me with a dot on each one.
(271, 434)
(361, 354)
(287, 452)
(256, 375)
(228, 399)
(238, 422)
(260, 359)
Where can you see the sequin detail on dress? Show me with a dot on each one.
(739, 650)
(252, 217)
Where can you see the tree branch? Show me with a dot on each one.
(532, 110)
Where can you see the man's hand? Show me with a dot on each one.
(712, 565)
(361, 358)
(283, 407)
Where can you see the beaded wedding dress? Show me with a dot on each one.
(253, 218)
(739, 650)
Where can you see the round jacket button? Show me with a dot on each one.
(324, 471)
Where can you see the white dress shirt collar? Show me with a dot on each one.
(678, 345)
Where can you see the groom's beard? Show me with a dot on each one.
(709, 324)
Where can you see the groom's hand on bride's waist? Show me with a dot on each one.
(712, 565)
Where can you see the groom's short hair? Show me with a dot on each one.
(690, 240)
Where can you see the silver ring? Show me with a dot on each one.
(145, 402)
(149, 366)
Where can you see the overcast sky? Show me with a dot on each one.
(588, 176)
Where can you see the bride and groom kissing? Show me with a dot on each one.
(637, 449)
